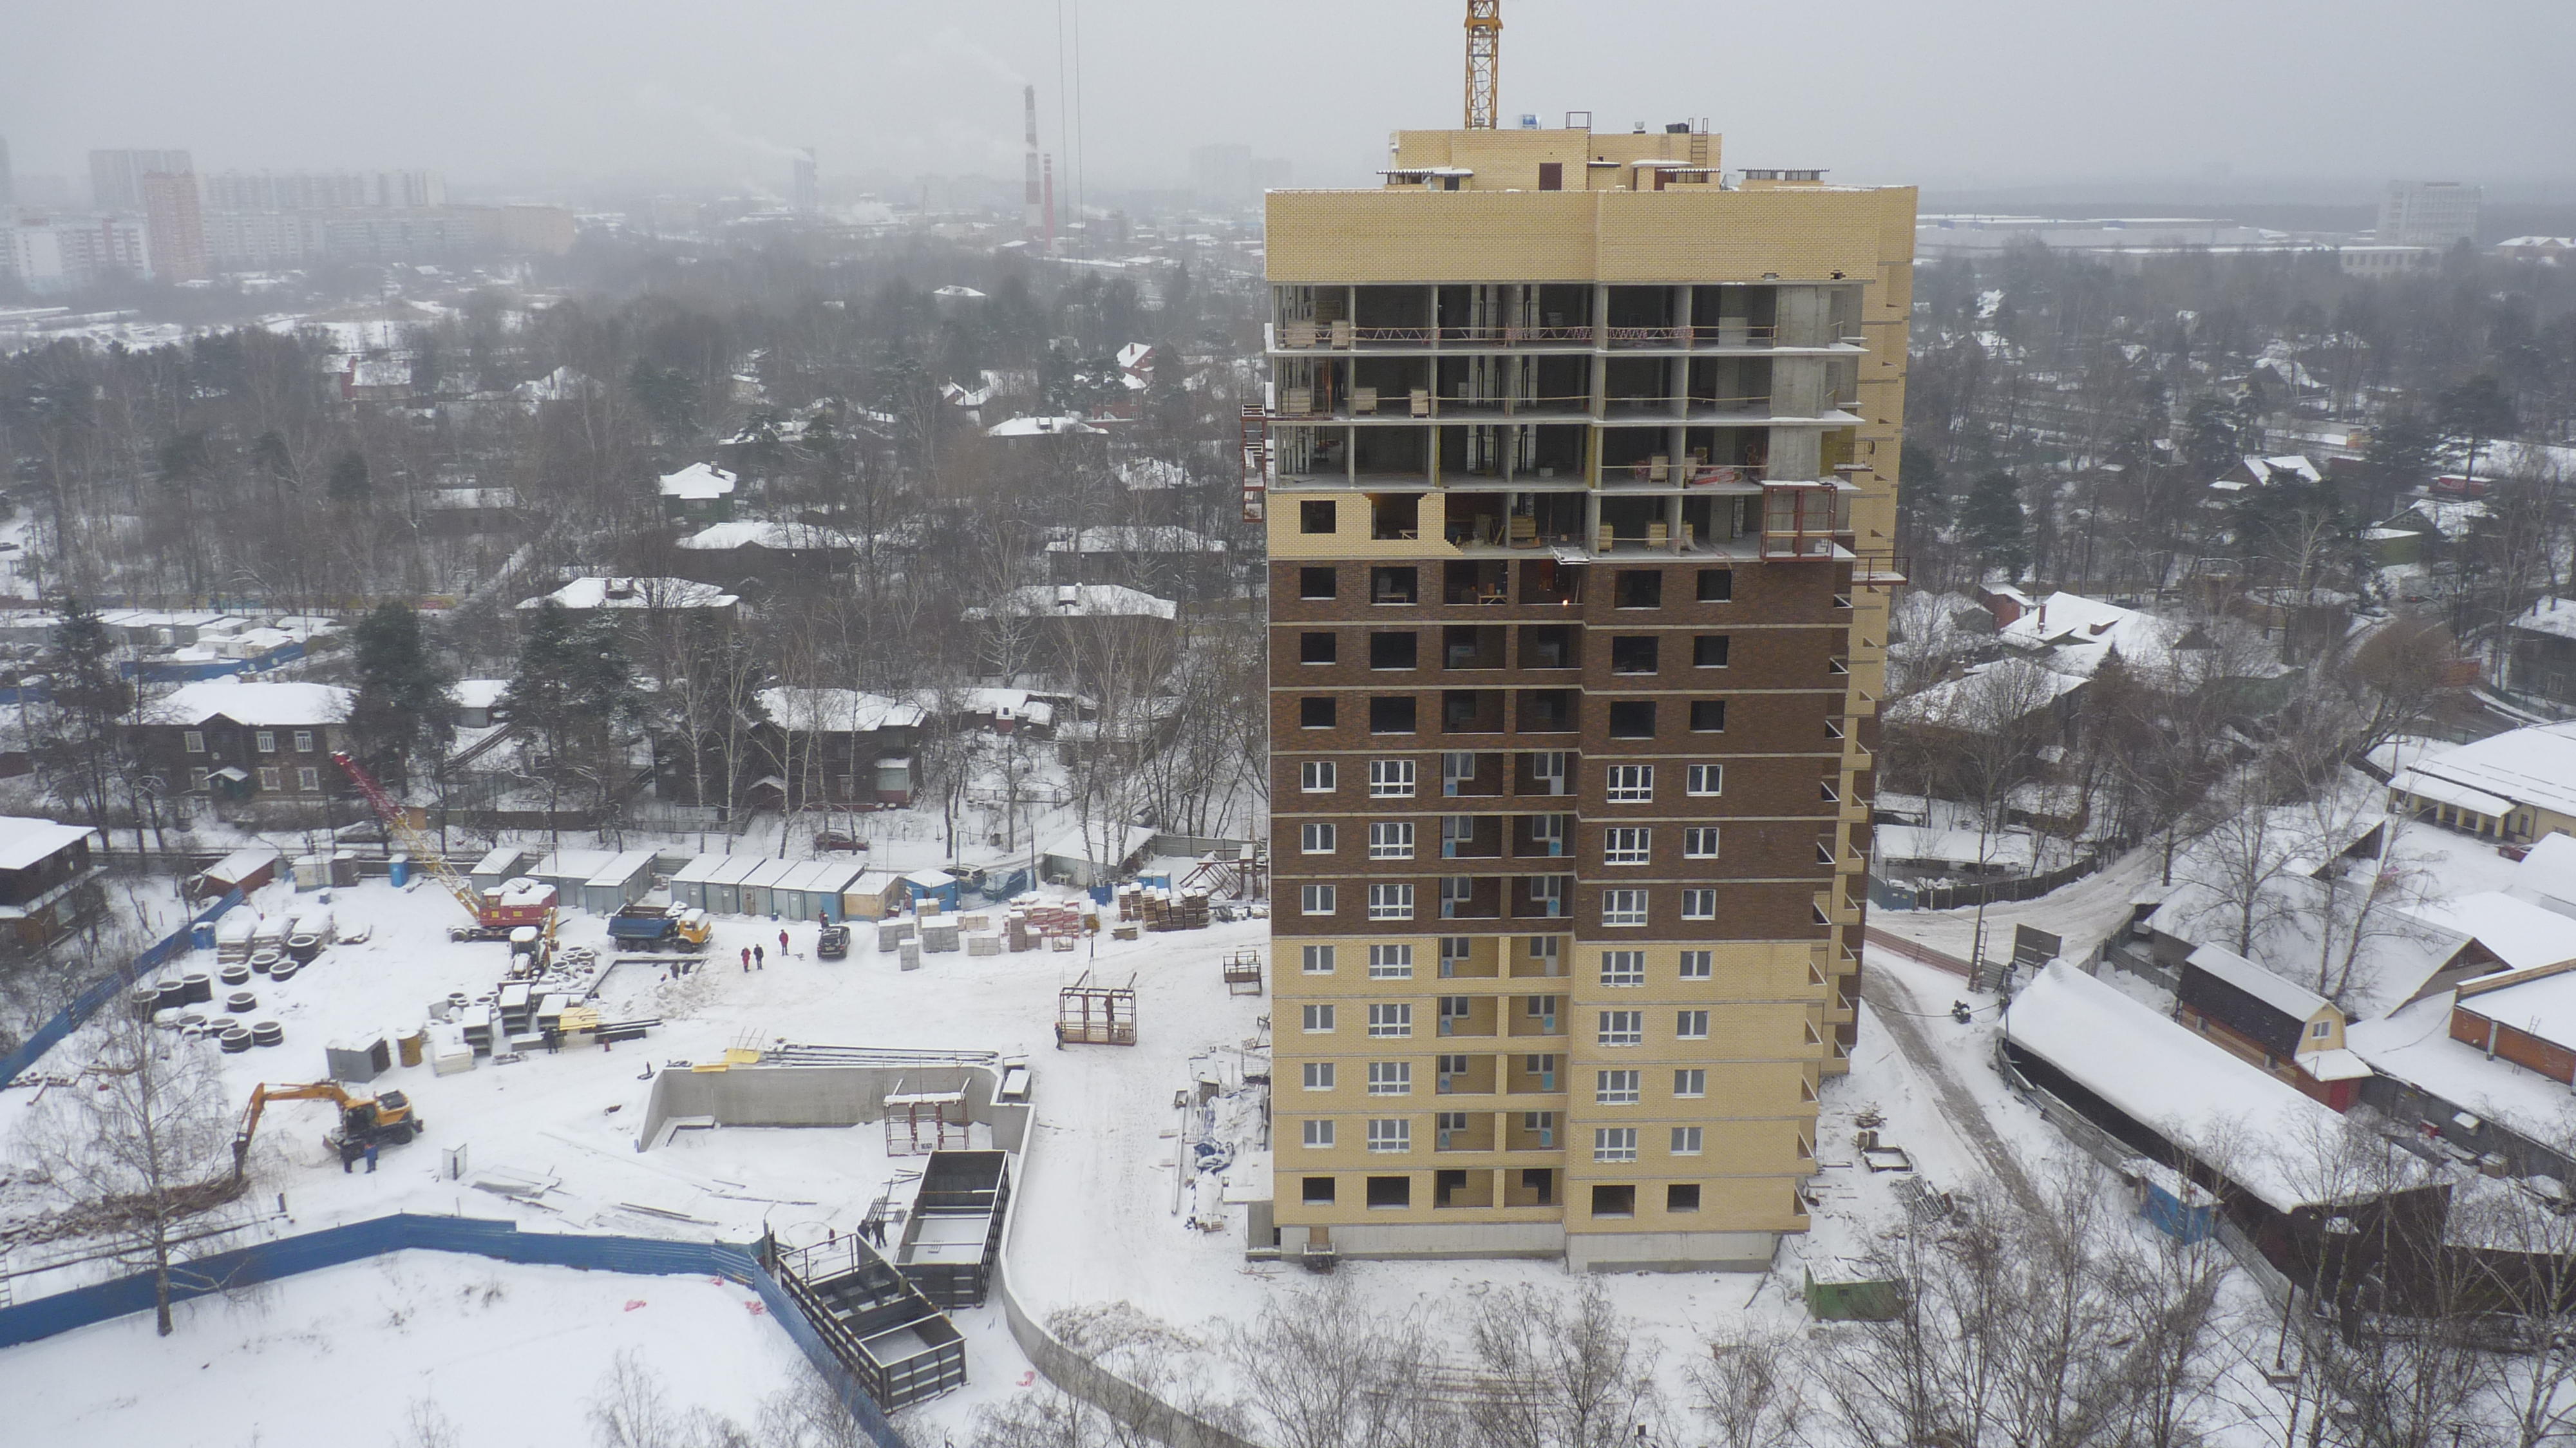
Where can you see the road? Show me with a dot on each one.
(1902, 1014)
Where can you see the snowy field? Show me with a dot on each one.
(509, 1354)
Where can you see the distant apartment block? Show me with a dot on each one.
(174, 227)
(245, 240)
(57, 254)
(323, 190)
(2428, 213)
(116, 177)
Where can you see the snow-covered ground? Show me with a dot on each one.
(507, 1353)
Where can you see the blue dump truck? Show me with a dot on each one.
(659, 927)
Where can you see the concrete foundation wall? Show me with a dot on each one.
(1435, 1239)
(1670, 1251)
(822, 1096)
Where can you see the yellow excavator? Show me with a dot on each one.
(364, 1120)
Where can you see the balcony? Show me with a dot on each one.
(1541, 1015)
(1470, 1015)
(1541, 836)
(1473, 646)
(1541, 897)
(1471, 837)
(1464, 1076)
(1466, 775)
(1452, 1188)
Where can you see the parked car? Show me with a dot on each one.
(826, 841)
(834, 944)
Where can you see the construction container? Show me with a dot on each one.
(724, 883)
(201, 936)
(498, 868)
(398, 870)
(357, 1060)
(620, 881)
(874, 895)
(757, 887)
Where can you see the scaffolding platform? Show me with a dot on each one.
(1092, 1014)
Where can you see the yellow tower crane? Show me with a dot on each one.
(1484, 61)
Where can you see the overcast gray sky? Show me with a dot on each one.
(1966, 92)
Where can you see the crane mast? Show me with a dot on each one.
(1484, 60)
(424, 850)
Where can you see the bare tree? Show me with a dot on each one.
(148, 1145)
(1327, 1368)
(1753, 1390)
(1576, 1375)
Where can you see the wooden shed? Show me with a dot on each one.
(874, 895)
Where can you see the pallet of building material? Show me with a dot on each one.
(1016, 932)
(891, 934)
(983, 942)
(939, 937)
(972, 923)
(909, 953)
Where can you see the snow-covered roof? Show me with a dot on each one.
(837, 711)
(2546, 875)
(25, 840)
(698, 482)
(2550, 615)
(1107, 846)
(958, 293)
(273, 704)
(2281, 994)
(1894, 844)
(2295, 464)
(1041, 427)
(764, 533)
(1088, 600)
(2414, 1045)
(2543, 1006)
(1000, 703)
(2517, 932)
(598, 592)
(2534, 766)
(2258, 1130)
(1125, 539)
(2078, 633)
(1971, 701)
(1139, 475)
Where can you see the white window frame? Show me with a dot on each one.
(1625, 1087)
(1390, 1020)
(269, 778)
(1317, 900)
(1627, 845)
(1702, 781)
(1390, 839)
(303, 741)
(1621, 1028)
(1700, 842)
(1698, 964)
(1318, 1134)
(1390, 1078)
(1316, 1019)
(1690, 1083)
(1690, 1025)
(1315, 960)
(1390, 900)
(1318, 776)
(1391, 962)
(1318, 1075)
(308, 779)
(1624, 908)
(1687, 1140)
(2320, 1030)
(1629, 784)
(1614, 1143)
(1623, 967)
(1699, 902)
(1388, 1135)
(265, 741)
(193, 741)
(1317, 838)
(1391, 778)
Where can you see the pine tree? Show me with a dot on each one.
(2477, 412)
(349, 482)
(91, 703)
(1992, 521)
(402, 711)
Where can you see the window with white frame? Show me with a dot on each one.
(1390, 839)
(1623, 967)
(194, 741)
(1319, 1134)
(1316, 839)
(1541, 1127)
(1316, 1020)
(1631, 784)
(1390, 1134)
(1696, 963)
(1622, 1028)
(1390, 1018)
(308, 780)
(269, 779)
(1616, 1088)
(1318, 776)
(1690, 1082)
(1316, 899)
(1704, 779)
(1319, 1075)
(1390, 901)
(303, 741)
(1315, 959)
(1390, 962)
(1691, 1025)
(1623, 907)
(1686, 1140)
(2319, 1030)
(1626, 845)
(1614, 1143)
(1699, 903)
(1391, 778)
(265, 741)
(1699, 842)
(1390, 1078)
(200, 780)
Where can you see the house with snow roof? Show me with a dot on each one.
(2250, 473)
(247, 744)
(2516, 787)
(698, 493)
(49, 876)
(2290, 1031)
(2540, 650)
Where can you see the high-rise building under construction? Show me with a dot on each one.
(1579, 473)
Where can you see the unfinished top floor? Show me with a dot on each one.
(1573, 157)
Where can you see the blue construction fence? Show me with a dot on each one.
(104, 989)
(406, 1232)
